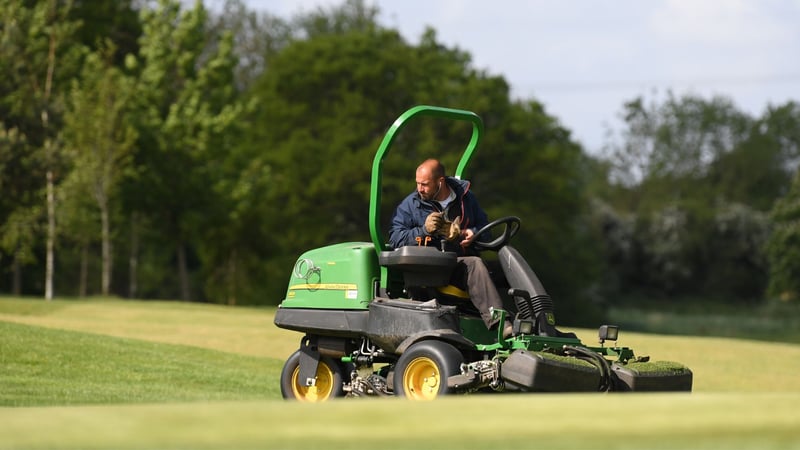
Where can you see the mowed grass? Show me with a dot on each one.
(119, 374)
(528, 421)
(42, 366)
(98, 352)
(247, 331)
(768, 321)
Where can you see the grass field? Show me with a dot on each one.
(768, 320)
(119, 374)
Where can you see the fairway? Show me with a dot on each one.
(119, 374)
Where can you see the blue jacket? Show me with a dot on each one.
(408, 221)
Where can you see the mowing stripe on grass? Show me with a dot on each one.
(42, 366)
(248, 331)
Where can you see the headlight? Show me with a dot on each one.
(522, 326)
(608, 333)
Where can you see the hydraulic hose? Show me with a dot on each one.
(597, 360)
(380, 392)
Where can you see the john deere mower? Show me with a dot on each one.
(378, 321)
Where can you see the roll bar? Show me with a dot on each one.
(388, 139)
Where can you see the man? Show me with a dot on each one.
(444, 209)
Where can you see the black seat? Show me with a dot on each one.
(427, 275)
(422, 267)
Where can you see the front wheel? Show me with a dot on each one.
(422, 371)
(328, 384)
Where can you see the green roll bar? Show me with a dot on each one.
(399, 124)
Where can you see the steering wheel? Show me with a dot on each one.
(511, 227)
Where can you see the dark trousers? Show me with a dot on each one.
(472, 275)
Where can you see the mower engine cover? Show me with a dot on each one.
(341, 276)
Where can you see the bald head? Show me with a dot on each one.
(433, 167)
(430, 180)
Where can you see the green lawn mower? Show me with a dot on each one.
(369, 332)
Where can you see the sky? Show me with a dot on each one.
(584, 58)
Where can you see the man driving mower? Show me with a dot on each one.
(443, 212)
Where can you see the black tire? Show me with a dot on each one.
(330, 376)
(422, 371)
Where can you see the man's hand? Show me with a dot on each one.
(434, 222)
(452, 230)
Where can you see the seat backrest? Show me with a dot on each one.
(518, 273)
(520, 276)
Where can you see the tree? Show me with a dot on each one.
(99, 139)
(103, 21)
(783, 247)
(13, 240)
(257, 38)
(39, 54)
(547, 190)
(696, 177)
(186, 101)
(324, 112)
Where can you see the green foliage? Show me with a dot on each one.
(784, 245)
(99, 139)
(323, 113)
(351, 15)
(39, 57)
(187, 109)
(678, 138)
(351, 105)
(783, 123)
(547, 190)
(736, 251)
(258, 36)
(694, 179)
(108, 20)
(235, 142)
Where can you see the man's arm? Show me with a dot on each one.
(405, 229)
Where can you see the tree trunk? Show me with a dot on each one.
(51, 237)
(183, 273)
(107, 256)
(232, 278)
(84, 270)
(133, 259)
(51, 201)
(16, 276)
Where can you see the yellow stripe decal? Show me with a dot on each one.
(324, 286)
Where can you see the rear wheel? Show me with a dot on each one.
(422, 371)
(329, 380)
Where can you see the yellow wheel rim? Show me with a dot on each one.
(421, 379)
(321, 390)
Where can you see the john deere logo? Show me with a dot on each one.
(551, 318)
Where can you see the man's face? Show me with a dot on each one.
(427, 186)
